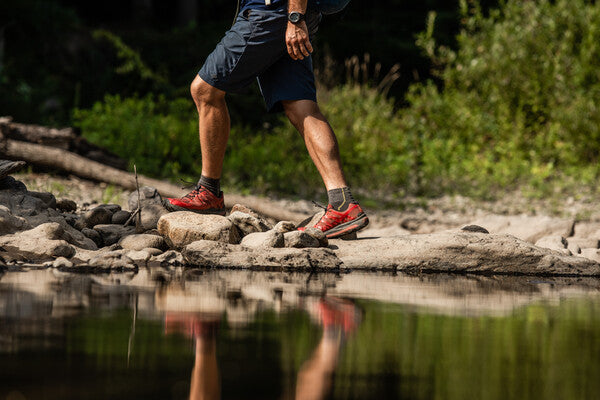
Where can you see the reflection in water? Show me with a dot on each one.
(175, 334)
(338, 317)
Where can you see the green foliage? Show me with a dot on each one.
(158, 135)
(132, 60)
(519, 102)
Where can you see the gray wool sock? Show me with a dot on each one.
(213, 185)
(340, 198)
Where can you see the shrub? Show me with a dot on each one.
(158, 135)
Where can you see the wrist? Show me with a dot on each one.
(295, 17)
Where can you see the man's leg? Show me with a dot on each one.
(343, 215)
(214, 126)
(320, 140)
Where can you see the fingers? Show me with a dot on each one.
(298, 43)
(298, 49)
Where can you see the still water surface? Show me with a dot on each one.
(161, 334)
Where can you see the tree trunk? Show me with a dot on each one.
(75, 164)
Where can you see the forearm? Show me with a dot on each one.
(297, 5)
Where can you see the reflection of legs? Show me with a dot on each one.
(314, 378)
(339, 318)
(320, 140)
(205, 375)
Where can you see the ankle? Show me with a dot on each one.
(340, 199)
(210, 184)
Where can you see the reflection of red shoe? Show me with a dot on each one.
(192, 324)
(199, 200)
(338, 313)
(336, 223)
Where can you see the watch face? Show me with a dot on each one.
(294, 17)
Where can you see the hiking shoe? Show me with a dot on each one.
(199, 200)
(335, 223)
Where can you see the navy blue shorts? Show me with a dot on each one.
(255, 47)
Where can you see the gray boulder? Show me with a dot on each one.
(204, 253)
(142, 241)
(152, 208)
(40, 243)
(171, 258)
(184, 227)
(66, 205)
(270, 238)
(111, 234)
(553, 242)
(93, 235)
(284, 226)
(592, 254)
(300, 240)
(461, 252)
(10, 223)
(120, 217)
(319, 235)
(109, 260)
(247, 223)
(48, 198)
(93, 217)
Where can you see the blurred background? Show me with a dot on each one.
(426, 97)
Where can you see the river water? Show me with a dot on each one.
(207, 334)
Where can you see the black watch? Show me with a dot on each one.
(295, 17)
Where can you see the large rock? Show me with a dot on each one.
(120, 217)
(247, 223)
(152, 208)
(22, 203)
(40, 243)
(10, 223)
(270, 238)
(204, 253)
(527, 228)
(553, 242)
(592, 254)
(300, 240)
(93, 217)
(142, 241)
(111, 234)
(48, 198)
(319, 235)
(117, 259)
(184, 227)
(461, 252)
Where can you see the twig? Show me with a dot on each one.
(137, 185)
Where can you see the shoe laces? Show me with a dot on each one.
(319, 205)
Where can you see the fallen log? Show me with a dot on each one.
(75, 164)
(65, 139)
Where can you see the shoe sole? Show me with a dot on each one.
(348, 227)
(211, 211)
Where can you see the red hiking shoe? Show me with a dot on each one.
(339, 223)
(199, 200)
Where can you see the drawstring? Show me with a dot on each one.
(237, 11)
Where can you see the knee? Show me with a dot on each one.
(203, 93)
(298, 110)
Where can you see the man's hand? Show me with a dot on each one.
(297, 40)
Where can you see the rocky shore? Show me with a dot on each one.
(38, 230)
